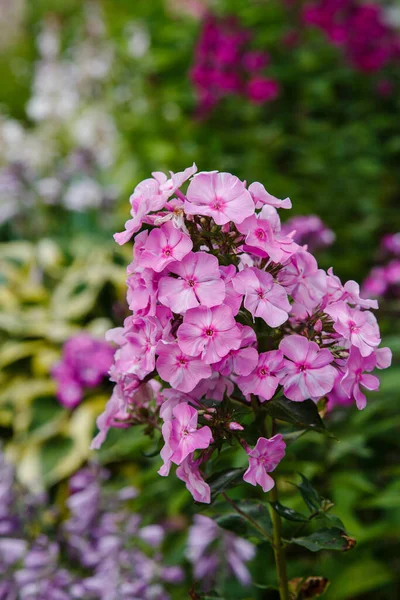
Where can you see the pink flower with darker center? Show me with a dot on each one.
(182, 372)
(209, 332)
(303, 280)
(262, 89)
(163, 246)
(263, 241)
(307, 372)
(355, 376)
(360, 328)
(264, 379)
(185, 438)
(199, 282)
(221, 196)
(263, 459)
(262, 296)
(243, 360)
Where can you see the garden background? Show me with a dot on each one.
(95, 96)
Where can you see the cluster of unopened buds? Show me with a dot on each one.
(228, 314)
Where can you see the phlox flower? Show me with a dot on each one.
(163, 246)
(188, 472)
(213, 388)
(261, 197)
(209, 332)
(182, 436)
(263, 459)
(199, 282)
(142, 291)
(151, 195)
(307, 372)
(221, 196)
(357, 327)
(243, 360)
(264, 379)
(303, 280)
(261, 240)
(232, 298)
(262, 296)
(355, 377)
(182, 372)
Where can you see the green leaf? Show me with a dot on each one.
(303, 414)
(325, 539)
(309, 494)
(288, 513)
(224, 480)
(255, 520)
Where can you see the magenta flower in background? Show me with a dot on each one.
(84, 364)
(307, 371)
(310, 231)
(263, 459)
(225, 64)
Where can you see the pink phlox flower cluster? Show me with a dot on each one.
(227, 308)
(368, 41)
(225, 64)
(84, 364)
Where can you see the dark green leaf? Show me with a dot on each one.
(325, 539)
(288, 513)
(251, 520)
(309, 494)
(224, 480)
(302, 414)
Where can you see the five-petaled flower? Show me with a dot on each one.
(263, 459)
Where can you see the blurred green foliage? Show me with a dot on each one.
(330, 143)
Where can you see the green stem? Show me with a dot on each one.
(279, 551)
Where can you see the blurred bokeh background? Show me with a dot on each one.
(302, 96)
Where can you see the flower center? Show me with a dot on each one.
(209, 332)
(167, 251)
(302, 368)
(191, 282)
(260, 234)
(218, 204)
(353, 327)
(260, 293)
(262, 372)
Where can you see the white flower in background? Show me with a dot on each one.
(55, 94)
(48, 189)
(95, 130)
(392, 16)
(83, 194)
(138, 39)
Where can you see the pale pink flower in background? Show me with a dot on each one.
(261, 197)
(243, 360)
(360, 328)
(303, 280)
(264, 379)
(263, 459)
(163, 246)
(209, 332)
(307, 372)
(181, 371)
(221, 196)
(185, 438)
(355, 376)
(199, 282)
(188, 471)
(262, 296)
